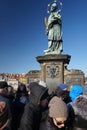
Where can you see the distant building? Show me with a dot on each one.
(33, 75)
(13, 83)
(71, 77)
(13, 79)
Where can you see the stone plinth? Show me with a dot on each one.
(52, 69)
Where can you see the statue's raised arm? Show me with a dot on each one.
(54, 29)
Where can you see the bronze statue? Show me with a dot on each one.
(54, 30)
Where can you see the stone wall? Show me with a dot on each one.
(33, 75)
(72, 77)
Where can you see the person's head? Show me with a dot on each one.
(4, 115)
(21, 91)
(75, 91)
(58, 91)
(63, 86)
(38, 94)
(53, 7)
(43, 100)
(3, 87)
(58, 111)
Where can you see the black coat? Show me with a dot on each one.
(32, 113)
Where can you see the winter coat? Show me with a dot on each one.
(44, 120)
(17, 111)
(32, 113)
(79, 112)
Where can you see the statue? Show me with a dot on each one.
(53, 30)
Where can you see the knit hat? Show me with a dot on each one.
(3, 84)
(57, 108)
(63, 86)
(75, 91)
(4, 114)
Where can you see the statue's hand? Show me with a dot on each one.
(46, 21)
(47, 30)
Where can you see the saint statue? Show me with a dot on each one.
(54, 30)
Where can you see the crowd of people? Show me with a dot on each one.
(35, 109)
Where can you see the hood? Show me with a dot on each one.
(75, 91)
(80, 106)
(36, 92)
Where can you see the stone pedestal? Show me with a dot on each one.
(52, 69)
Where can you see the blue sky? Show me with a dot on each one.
(23, 38)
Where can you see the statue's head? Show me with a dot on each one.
(53, 7)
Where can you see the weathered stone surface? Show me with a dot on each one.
(72, 77)
(55, 57)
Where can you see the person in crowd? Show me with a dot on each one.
(21, 99)
(4, 98)
(62, 92)
(33, 110)
(4, 116)
(63, 86)
(4, 92)
(65, 93)
(75, 91)
(57, 92)
(45, 111)
(58, 114)
(11, 94)
(22, 94)
(78, 113)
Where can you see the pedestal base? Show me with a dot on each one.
(52, 69)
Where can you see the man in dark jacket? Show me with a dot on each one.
(33, 110)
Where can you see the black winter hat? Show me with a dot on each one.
(3, 84)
